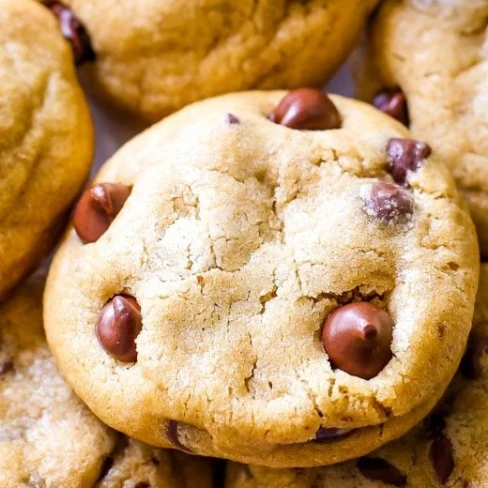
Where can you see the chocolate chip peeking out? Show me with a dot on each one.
(174, 438)
(74, 31)
(394, 104)
(378, 469)
(118, 326)
(442, 458)
(97, 208)
(6, 363)
(306, 109)
(388, 203)
(231, 119)
(357, 337)
(325, 435)
(405, 155)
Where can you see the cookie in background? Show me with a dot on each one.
(426, 64)
(46, 147)
(153, 57)
(258, 278)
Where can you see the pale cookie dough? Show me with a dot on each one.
(152, 57)
(192, 304)
(49, 439)
(437, 53)
(450, 449)
(46, 143)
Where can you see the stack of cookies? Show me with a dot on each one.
(271, 287)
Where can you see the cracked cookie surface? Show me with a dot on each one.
(446, 95)
(190, 315)
(449, 449)
(47, 142)
(49, 439)
(156, 56)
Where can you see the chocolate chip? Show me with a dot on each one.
(405, 155)
(142, 484)
(232, 119)
(118, 326)
(388, 203)
(441, 457)
(97, 208)
(357, 338)
(6, 363)
(325, 435)
(471, 365)
(394, 104)
(74, 31)
(173, 437)
(377, 469)
(306, 109)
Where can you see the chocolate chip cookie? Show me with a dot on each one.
(46, 144)
(154, 57)
(286, 278)
(449, 449)
(49, 439)
(442, 97)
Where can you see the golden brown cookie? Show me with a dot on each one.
(46, 144)
(152, 57)
(258, 278)
(427, 64)
(448, 450)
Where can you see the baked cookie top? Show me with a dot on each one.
(47, 142)
(49, 438)
(238, 284)
(448, 450)
(156, 56)
(446, 94)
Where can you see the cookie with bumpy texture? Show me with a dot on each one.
(46, 146)
(49, 439)
(246, 280)
(405, 71)
(154, 57)
(449, 449)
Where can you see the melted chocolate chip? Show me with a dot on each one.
(173, 437)
(471, 365)
(118, 326)
(74, 31)
(394, 104)
(377, 469)
(232, 119)
(97, 208)
(325, 435)
(306, 109)
(357, 338)
(441, 457)
(388, 203)
(405, 155)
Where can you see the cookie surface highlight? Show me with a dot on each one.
(232, 247)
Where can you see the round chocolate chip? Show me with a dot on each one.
(394, 104)
(388, 203)
(357, 338)
(306, 109)
(174, 438)
(118, 326)
(441, 457)
(74, 31)
(405, 155)
(377, 469)
(97, 208)
(325, 435)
